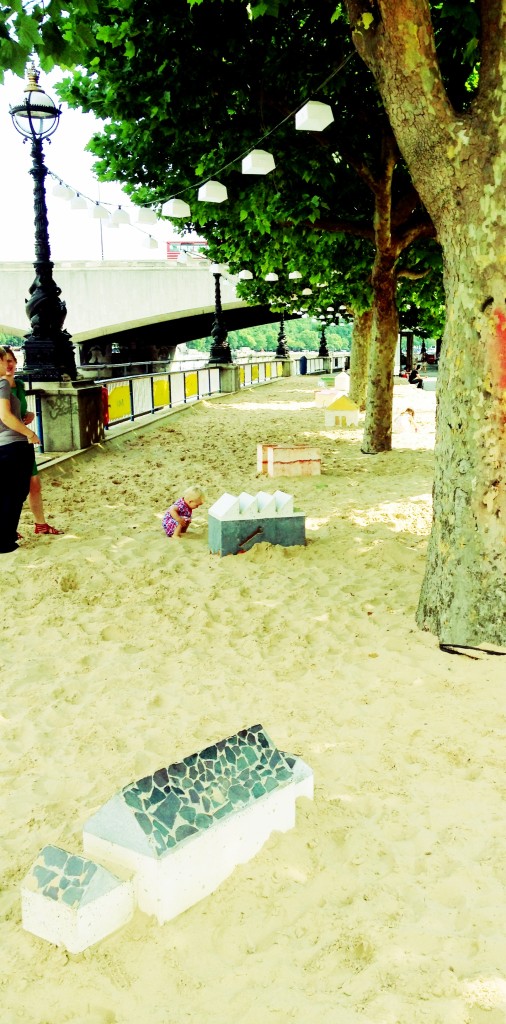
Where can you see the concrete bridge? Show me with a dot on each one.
(143, 308)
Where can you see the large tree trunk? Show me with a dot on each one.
(458, 165)
(463, 598)
(359, 357)
(380, 381)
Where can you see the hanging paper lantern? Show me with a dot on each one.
(176, 208)
(146, 216)
(294, 275)
(245, 275)
(258, 162)
(99, 212)
(313, 117)
(271, 277)
(212, 192)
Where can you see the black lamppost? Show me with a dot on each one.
(220, 348)
(282, 351)
(323, 349)
(49, 354)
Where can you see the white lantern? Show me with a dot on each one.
(150, 242)
(62, 191)
(307, 291)
(212, 192)
(78, 202)
(146, 216)
(313, 117)
(271, 277)
(120, 217)
(294, 275)
(258, 162)
(245, 275)
(176, 208)
(99, 212)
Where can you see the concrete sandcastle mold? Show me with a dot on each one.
(236, 523)
(183, 830)
(72, 901)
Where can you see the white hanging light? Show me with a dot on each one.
(212, 192)
(294, 275)
(182, 258)
(78, 202)
(176, 208)
(271, 277)
(313, 117)
(99, 212)
(120, 216)
(61, 190)
(146, 216)
(150, 242)
(245, 275)
(322, 284)
(307, 291)
(258, 162)
(330, 309)
(112, 223)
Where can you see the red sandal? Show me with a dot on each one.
(47, 529)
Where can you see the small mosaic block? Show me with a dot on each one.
(73, 902)
(182, 830)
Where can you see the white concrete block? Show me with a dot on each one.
(284, 503)
(73, 902)
(266, 505)
(227, 507)
(248, 506)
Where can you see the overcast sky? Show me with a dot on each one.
(73, 234)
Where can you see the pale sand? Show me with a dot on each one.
(123, 651)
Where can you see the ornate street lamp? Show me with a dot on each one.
(220, 348)
(323, 349)
(281, 350)
(49, 354)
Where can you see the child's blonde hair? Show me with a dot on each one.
(193, 494)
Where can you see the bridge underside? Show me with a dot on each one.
(157, 340)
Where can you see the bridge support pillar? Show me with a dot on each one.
(229, 378)
(286, 367)
(72, 416)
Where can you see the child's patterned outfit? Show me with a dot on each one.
(169, 524)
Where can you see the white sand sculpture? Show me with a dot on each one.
(342, 412)
(73, 902)
(183, 830)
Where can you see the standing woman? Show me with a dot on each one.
(16, 460)
(35, 495)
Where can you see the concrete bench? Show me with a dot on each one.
(235, 524)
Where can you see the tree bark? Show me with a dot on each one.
(359, 357)
(380, 378)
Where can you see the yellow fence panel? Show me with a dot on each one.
(254, 372)
(119, 402)
(191, 388)
(267, 370)
(161, 392)
(241, 375)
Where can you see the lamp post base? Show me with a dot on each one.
(49, 359)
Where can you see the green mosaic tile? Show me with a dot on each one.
(187, 797)
(64, 877)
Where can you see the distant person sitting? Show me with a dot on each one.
(414, 377)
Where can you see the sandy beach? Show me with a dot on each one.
(125, 651)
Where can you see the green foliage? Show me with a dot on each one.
(301, 336)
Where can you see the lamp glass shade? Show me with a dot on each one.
(245, 275)
(271, 277)
(176, 208)
(313, 117)
(215, 268)
(258, 162)
(146, 216)
(37, 115)
(212, 192)
(294, 275)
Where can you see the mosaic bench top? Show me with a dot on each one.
(69, 879)
(181, 801)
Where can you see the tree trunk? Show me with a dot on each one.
(380, 382)
(463, 598)
(359, 357)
